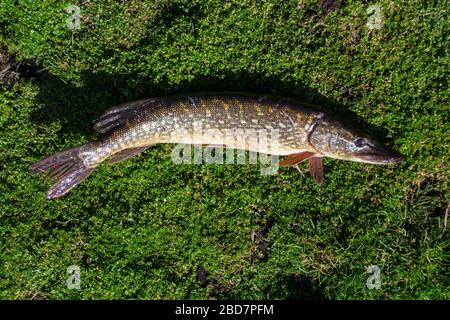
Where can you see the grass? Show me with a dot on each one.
(147, 228)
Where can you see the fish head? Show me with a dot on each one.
(332, 138)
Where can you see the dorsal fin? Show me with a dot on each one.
(116, 116)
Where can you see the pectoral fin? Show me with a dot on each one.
(316, 169)
(295, 158)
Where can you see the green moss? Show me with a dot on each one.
(141, 229)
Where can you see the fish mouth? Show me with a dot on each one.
(395, 159)
(379, 154)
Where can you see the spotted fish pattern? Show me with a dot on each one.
(302, 132)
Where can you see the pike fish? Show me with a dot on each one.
(304, 133)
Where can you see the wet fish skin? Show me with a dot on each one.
(166, 120)
(130, 128)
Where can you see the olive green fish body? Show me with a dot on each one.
(207, 120)
(266, 124)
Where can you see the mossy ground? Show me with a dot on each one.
(147, 228)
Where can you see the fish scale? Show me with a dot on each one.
(172, 120)
(253, 122)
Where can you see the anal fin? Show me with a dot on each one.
(126, 154)
(205, 145)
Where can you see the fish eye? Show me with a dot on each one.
(360, 142)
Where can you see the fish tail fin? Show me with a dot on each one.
(66, 168)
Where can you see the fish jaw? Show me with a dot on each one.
(335, 139)
(379, 154)
(371, 153)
